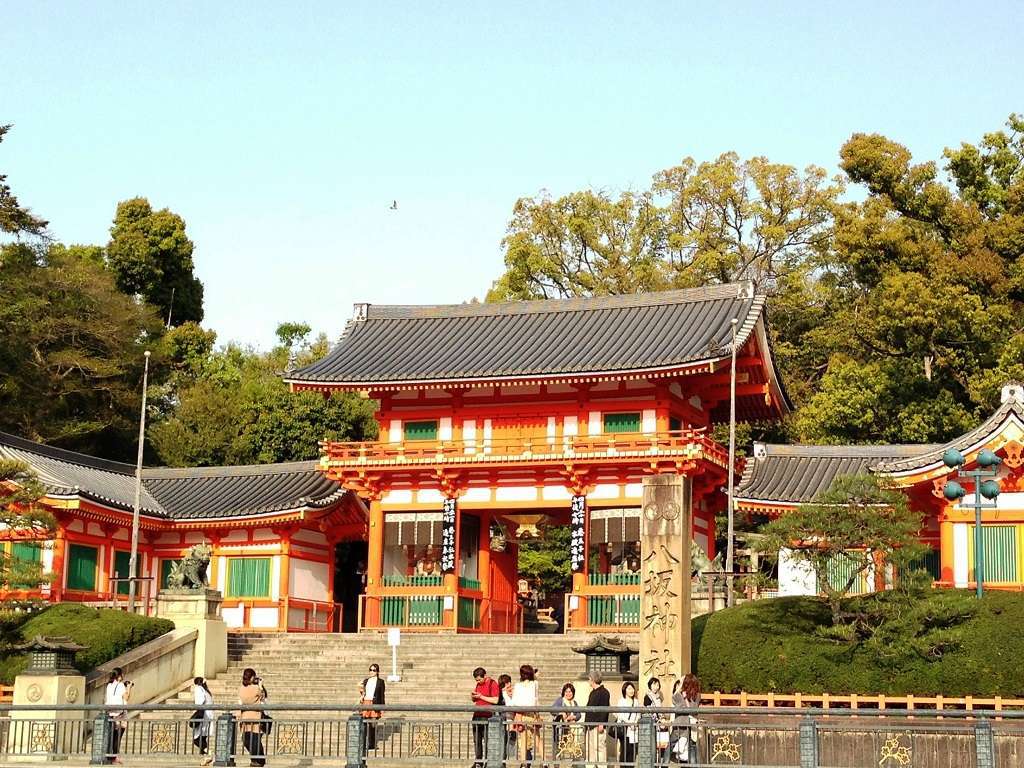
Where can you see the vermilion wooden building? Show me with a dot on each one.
(496, 418)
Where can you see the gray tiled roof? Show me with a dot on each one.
(796, 473)
(206, 492)
(402, 344)
(180, 494)
(66, 473)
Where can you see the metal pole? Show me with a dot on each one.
(133, 559)
(979, 547)
(729, 598)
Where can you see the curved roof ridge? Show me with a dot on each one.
(65, 455)
(238, 470)
(855, 450)
(741, 289)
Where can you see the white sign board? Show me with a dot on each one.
(394, 637)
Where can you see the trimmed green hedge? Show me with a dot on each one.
(945, 642)
(107, 632)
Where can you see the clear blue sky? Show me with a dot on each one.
(283, 131)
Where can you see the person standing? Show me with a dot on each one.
(504, 697)
(484, 692)
(567, 714)
(627, 720)
(118, 692)
(597, 748)
(655, 699)
(685, 695)
(525, 694)
(202, 718)
(371, 693)
(250, 725)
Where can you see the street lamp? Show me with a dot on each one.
(133, 558)
(988, 467)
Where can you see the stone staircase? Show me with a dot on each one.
(327, 668)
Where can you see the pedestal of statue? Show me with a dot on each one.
(199, 610)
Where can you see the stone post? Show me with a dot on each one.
(665, 527)
(199, 610)
(51, 679)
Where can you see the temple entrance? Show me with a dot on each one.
(350, 558)
(544, 579)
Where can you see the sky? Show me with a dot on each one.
(282, 132)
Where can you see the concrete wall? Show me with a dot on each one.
(157, 668)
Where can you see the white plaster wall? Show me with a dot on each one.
(76, 525)
(47, 555)
(395, 431)
(308, 579)
(233, 617)
(634, 490)
(594, 425)
(701, 540)
(488, 433)
(469, 435)
(477, 494)
(314, 537)
(795, 577)
(516, 493)
(552, 429)
(444, 428)
(168, 538)
(605, 491)
(263, 618)
(648, 421)
(275, 577)
(401, 496)
(264, 534)
(570, 426)
(236, 536)
(556, 493)
(429, 496)
(122, 534)
(222, 573)
(194, 537)
(961, 538)
(95, 530)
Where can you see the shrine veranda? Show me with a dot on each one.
(496, 422)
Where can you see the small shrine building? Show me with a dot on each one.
(779, 478)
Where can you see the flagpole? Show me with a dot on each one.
(730, 598)
(133, 560)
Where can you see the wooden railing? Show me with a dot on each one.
(688, 442)
(860, 701)
(317, 615)
(6, 694)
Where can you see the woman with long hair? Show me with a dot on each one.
(525, 694)
(117, 693)
(685, 695)
(251, 721)
(202, 718)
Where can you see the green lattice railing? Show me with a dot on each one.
(613, 611)
(465, 583)
(412, 581)
(423, 611)
(605, 579)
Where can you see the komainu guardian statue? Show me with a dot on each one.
(190, 574)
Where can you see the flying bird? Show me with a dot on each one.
(394, 205)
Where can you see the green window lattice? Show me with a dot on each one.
(421, 430)
(622, 422)
(249, 577)
(122, 565)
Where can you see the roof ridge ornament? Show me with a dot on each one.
(746, 289)
(1012, 392)
(360, 311)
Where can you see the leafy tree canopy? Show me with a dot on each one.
(71, 351)
(15, 219)
(151, 256)
(231, 406)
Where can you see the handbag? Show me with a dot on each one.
(266, 722)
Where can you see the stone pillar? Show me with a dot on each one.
(665, 526)
(200, 611)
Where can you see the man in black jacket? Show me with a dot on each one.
(597, 747)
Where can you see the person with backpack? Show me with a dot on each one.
(202, 718)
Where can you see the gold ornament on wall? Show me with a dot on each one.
(725, 749)
(894, 753)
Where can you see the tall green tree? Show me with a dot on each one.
(711, 222)
(231, 406)
(16, 219)
(21, 516)
(71, 352)
(844, 531)
(151, 256)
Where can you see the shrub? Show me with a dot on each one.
(107, 632)
(946, 643)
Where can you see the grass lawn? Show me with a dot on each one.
(943, 642)
(107, 633)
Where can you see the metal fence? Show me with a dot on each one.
(502, 737)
